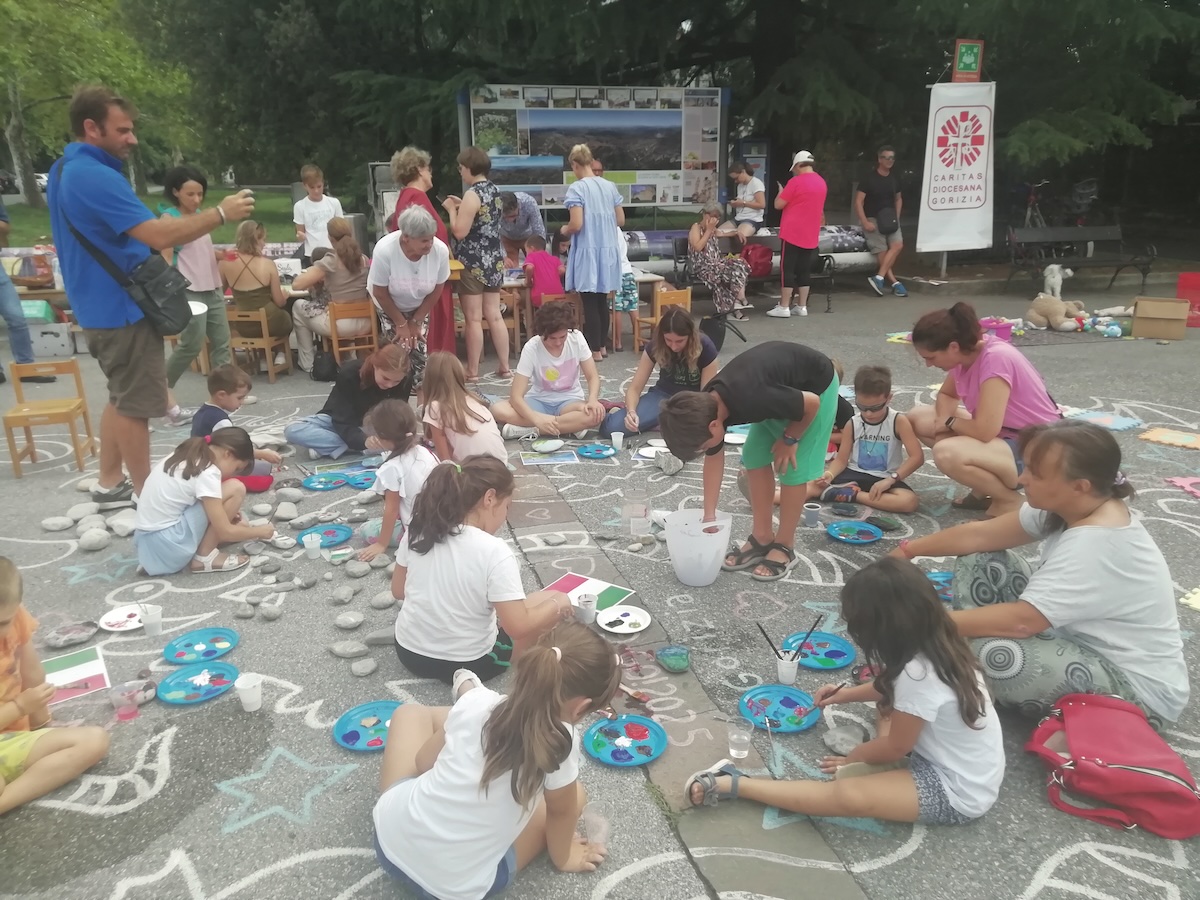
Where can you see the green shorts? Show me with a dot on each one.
(757, 452)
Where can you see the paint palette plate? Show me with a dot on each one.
(333, 534)
(197, 683)
(621, 619)
(365, 727)
(944, 582)
(547, 446)
(780, 703)
(656, 442)
(822, 650)
(361, 480)
(200, 645)
(123, 618)
(326, 481)
(854, 532)
(627, 740)
(650, 452)
(596, 451)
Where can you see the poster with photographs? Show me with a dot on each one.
(658, 145)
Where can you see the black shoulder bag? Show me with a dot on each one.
(157, 287)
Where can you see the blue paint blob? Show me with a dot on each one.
(835, 654)
(620, 754)
(351, 737)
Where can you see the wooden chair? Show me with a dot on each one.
(263, 343)
(512, 322)
(660, 299)
(29, 414)
(352, 345)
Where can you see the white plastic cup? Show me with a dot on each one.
(312, 546)
(740, 731)
(152, 619)
(812, 515)
(618, 439)
(785, 669)
(249, 691)
(585, 610)
(594, 820)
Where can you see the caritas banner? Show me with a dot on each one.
(957, 195)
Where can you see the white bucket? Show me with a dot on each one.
(696, 554)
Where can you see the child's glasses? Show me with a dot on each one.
(876, 408)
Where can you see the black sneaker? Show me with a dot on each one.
(38, 379)
(119, 497)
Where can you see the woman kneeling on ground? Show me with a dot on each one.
(991, 392)
(456, 578)
(1097, 613)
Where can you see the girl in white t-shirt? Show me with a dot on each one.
(938, 757)
(188, 507)
(459, 424)
(393, 427)
(460, 583)
(474, 792)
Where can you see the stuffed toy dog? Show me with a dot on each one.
(1053, 312)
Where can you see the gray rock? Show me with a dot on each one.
(284, 586)
(348, 621)
(258, 562)
(635, 547)
(381, 637)
(844, 738)
(261, 509)
(308, 520)
(254, 547)
(304, 582)
(271, 568)
(70, 635)
(286, 512)
(121, 523)
(356, 568)
(368, 497)
(646, 540)
(383, 599)
(363, 667)
(283, 542)
(668, 463)
(254, 599)
(270, 579)
(249, 400)
(390, 569)
(345, 593)
(283, 484)
(357, 515)
(243, 611)
(79, 510)
(57, 523)
(554, 540)
(87, 523)
(327, 516)
(271, 613)
(96, 539)
(289, 495)
(85, 485)
(661, 537)
(607, 536)
(382, 561)
(348, 649)
(328, 576)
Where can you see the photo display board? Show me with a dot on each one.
(659, 145)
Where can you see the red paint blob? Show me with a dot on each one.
(637, 732)
(218, 681)
(183, 653)
(375, 742)
(192, 697)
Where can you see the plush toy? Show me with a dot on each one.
(1052, 312)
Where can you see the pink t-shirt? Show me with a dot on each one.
(484, 439)
(800, 224)
(1028, 401)
(545, 278)
(198, 263)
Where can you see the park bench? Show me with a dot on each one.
(1094, 246)
(823, 266)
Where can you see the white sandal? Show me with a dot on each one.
(233, 562)
(461, 677)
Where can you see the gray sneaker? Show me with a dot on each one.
(183, 417)
(119, 497)
(517, 432)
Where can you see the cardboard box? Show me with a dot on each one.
(1160, 318)
(52, 340)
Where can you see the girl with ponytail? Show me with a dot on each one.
(463, 603)
(475, 792)
(188, 506)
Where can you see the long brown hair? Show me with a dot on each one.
(396, 422)
(525, 735)
(1086, 452)
(938, 329)
(195, 454)
(677, 321)
(390, 358)
(893, 613)
(445, 383)
(451, 491)
(341, 235)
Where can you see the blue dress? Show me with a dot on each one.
(594, 264)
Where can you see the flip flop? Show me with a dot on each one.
(707, 779)
(778, 569)
(748, 558)
(972, 503)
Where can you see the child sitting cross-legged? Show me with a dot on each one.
(227, 390)
(878, 450)
(475, 792)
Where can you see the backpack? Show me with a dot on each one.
(1101, 747)
(324, 367)
(759, 258)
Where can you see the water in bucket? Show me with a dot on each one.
(696, 554)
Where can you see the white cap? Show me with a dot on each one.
(803, 158)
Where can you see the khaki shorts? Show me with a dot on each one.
(878, 243)
(470, 283)
(134, 362)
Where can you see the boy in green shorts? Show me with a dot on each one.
(787, 393)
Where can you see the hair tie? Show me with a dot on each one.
(208, 439)
(1120, 479)
(457, 467)
(557, 653)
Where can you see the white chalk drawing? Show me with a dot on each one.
(109, 795)
(1120, 860)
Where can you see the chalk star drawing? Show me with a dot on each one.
(144, 790)
(82, 573)
(242, 816)
(1121, 860)
(776, 818)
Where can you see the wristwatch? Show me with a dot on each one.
(895, 476)
(949, 423)
(790, 441)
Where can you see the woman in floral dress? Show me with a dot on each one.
(725, 276)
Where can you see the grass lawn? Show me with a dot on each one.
(272, 208)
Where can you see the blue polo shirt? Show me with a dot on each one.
(3, 211)
(100, 203)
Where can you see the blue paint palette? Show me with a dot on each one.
(200, 645)
(854, 532)
(944, 583)
(596, 451)
(789, 709)
(197, 683)
(738, 429)
(326, 481)
(333, 534)
(625, 741)
(365, 727)
(361, 480)
(822, 650)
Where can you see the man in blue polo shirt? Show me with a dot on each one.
(88, 190)
(10, 309)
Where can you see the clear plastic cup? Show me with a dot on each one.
(249, 691)
(594, 822)
(812, 515)
(785, 669)
(740, 731)
(152, 619)
(585, 610)
(124, 701)
(312, 546)
(618, 439)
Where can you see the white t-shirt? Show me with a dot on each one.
(485, 438)
(314, 215)
(623, 252)
(450, 592)
(746, 192)
(165, 497)
(446, 832)
(554, 379)
(969, 759)
(408, 282)
(1109, 589)
(405, 474)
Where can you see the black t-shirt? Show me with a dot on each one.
(769, 382)
(880, 190)
(845, 412)
(349, 401)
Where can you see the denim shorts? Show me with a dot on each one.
(506, 870)
(1014, 444)
(549, 409)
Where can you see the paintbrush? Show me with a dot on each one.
(639, 696)
(804, 640)
(804, 712)
(770, 643)
(774, 766)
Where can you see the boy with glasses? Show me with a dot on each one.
(878, 203)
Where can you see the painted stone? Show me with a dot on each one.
(96, 539)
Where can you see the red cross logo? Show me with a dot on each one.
(960, 140)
